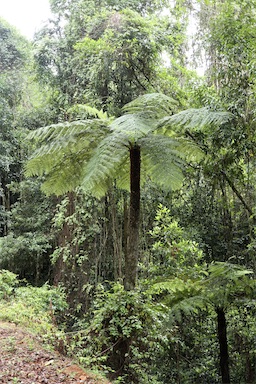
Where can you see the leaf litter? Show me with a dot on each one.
(24, 360)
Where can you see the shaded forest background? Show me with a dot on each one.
(162, 291)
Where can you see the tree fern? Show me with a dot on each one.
(165, 167)
(93, 151)
(188, 307)
(223, 283)
(227, 281)
(90, 153)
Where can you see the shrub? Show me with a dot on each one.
(8, 282)
(121, 336)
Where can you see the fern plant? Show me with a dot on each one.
(90, 153)
(223, 285)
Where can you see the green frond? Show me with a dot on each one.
(68, 132)
(190, 149)
(64, 152)
(164, 161)
(84, 111)
(226, 272)
(90, 153)
(172, 286)
(188, 306)
(38, 165)
(134, 126)
(63, 173)
(64, 177)
(152, 105)
(226, 281)
(122, 179)
(61, 142)
(196, 119)
(180, 296)
(105, 164)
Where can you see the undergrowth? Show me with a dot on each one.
(34, 308)
(120, 336)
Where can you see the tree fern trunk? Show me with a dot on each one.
(223, 345)
(131, 261)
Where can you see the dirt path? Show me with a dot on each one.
(23, 360)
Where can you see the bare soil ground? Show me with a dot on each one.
(24, 360)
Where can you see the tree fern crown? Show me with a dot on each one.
(90, 153)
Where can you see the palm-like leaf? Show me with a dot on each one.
(89, 153)
(84, 111)
(196, 119)
(111, 158)
(134, 126)
(105, 164)
(63, 177)
(152, 106)
(224, 282)
(64, 152)
(163, 160)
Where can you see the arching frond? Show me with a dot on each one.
(134, 126)
(228, 280)
(177, 287)
(221, 284)
(106, 163)
(64, 177)
(165, 159)
(68, 131)
(227, 271)
(84, 111)
(190, 150)
(62, 171)
(123, 178)
(64, 152)
(188, 306)
(152, 105)
(89, 153)
(165, 164)
(196, 119)
(180, 297)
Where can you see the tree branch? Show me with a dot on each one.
(237, 193)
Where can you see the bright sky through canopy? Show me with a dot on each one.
(26, 15)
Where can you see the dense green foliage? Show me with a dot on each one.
(32, 307)
(147, 227)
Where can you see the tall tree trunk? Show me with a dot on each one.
(61, 269)
(131, 260)
(223, 345)
(117, 237)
